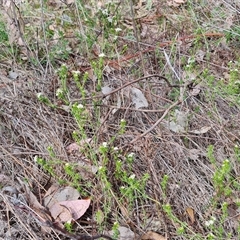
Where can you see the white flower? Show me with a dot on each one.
(104, 11)
(59, 92)
(210, 222)
(104, 144)
(123, 120)
(101, 55)
(39, 95)
(130, 155)
(191, 60)
(115, 148)
(80, 106)
(110, 19)
(35, 158)
(132, 176)
(118, 29)
(100, 168)
(76, 72)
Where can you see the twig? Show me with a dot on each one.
(18, 216)
(142, 78)
(154, 125)
(180, 100)
(128, 108)
(170, 65)
(129, 83)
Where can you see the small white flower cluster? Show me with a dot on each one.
(118, 29)
(110, 19)
(210, 222)
(191, 60)
(80, 106)
(76, 72)
(35, 159)
(104, 144)
(104, 11)
(116, 224)
(225, 163)
(132, 176)
(59, 92)
(131, 155)
(39, 95)
(101, 55)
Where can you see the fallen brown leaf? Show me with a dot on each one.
(56, 194)
(67, 210)
(77, 207)
(153, 236)
(190, 213)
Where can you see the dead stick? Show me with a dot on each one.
(129, 83)
(154, 125)
(180, 100)
(142, 78)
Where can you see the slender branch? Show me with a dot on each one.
(154, 125)
(129, 83)
(180, 100)
(142, 78)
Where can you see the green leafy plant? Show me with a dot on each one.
(69, 227)
(3, 33)
(164, 183)
(62, 93)
(221, 179)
